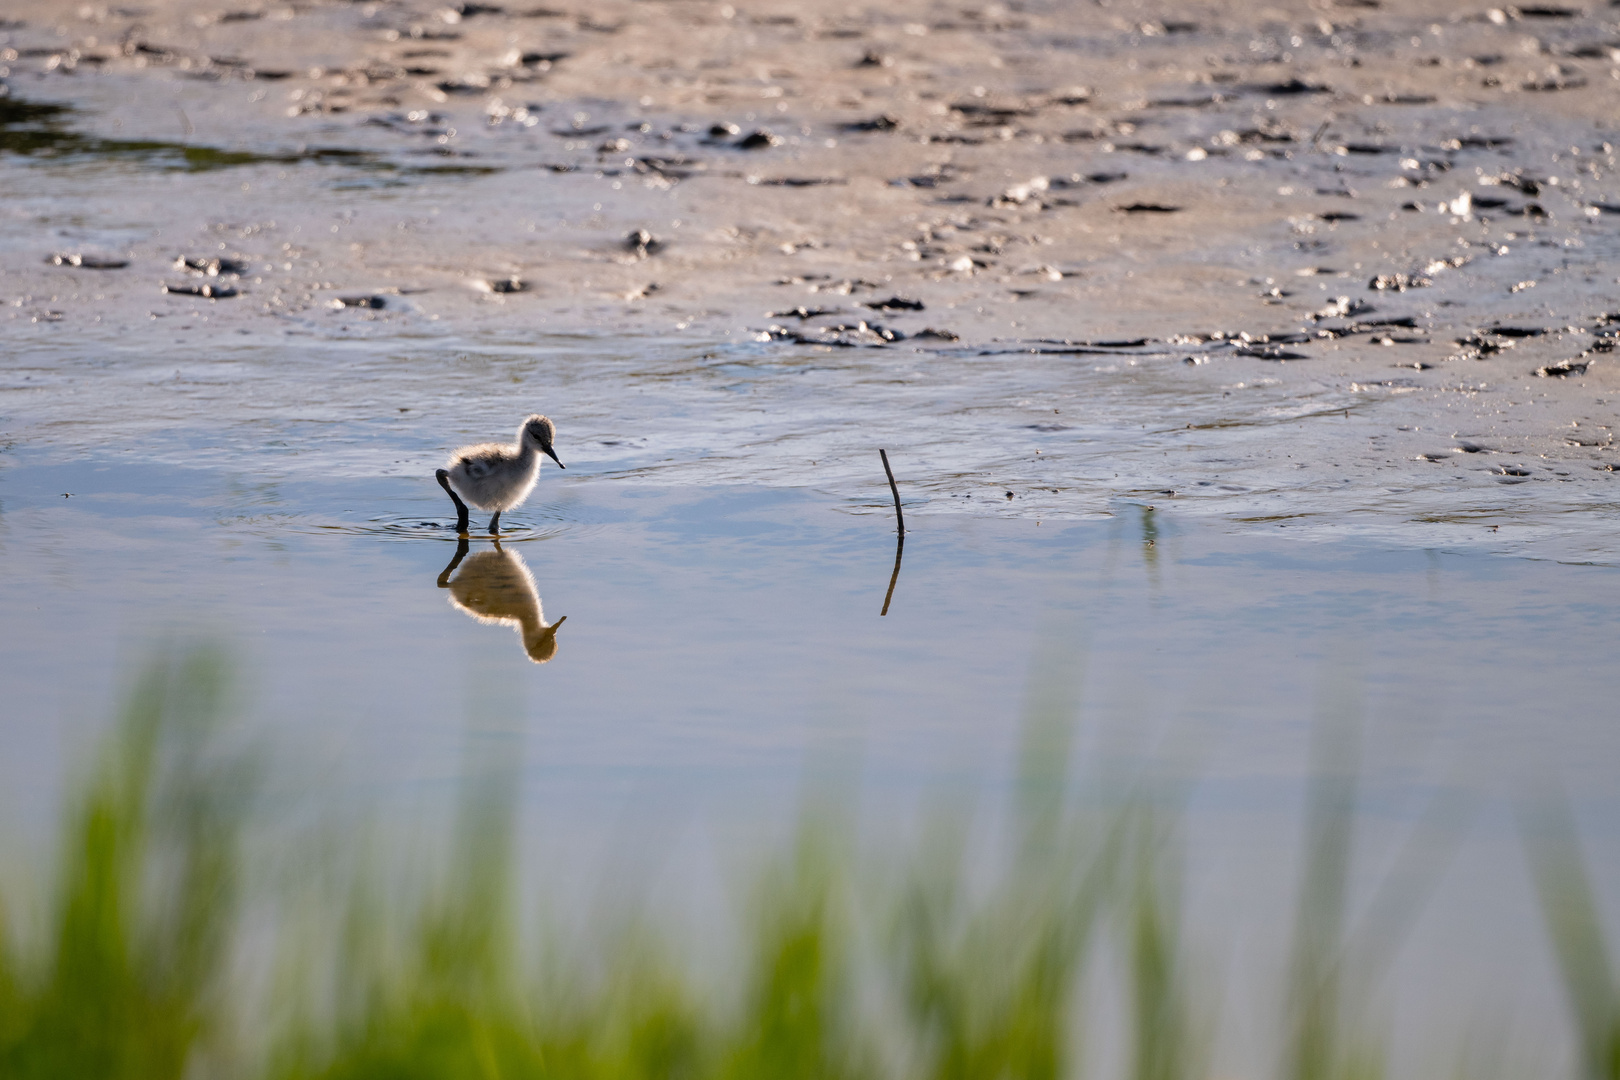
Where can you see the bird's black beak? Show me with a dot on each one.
(552, 454)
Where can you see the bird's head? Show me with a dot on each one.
(541, 431)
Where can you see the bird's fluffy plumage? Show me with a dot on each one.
(499, 476)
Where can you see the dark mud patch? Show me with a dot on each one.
(206, 291)
(758, 140)
(500, 286)
(797, 181)
(374, 303)
(640, 244)
(1563, 369)
(801, 313)
(211, 266)
(42, 130)
(88, 261)
(841, 336)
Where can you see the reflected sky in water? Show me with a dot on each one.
(724, 629)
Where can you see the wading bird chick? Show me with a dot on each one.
(496, 476)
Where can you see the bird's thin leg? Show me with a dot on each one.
(495, 524)
(461, 553)
(443, 476)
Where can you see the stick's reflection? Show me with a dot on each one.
(899, 549)
(496, 587)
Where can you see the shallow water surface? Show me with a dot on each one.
(720, 622)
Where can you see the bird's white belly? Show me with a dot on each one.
(498, 487)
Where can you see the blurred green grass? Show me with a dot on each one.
(948, 974)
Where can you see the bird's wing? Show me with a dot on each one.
(477, 468)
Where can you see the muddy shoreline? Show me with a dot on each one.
(1206, 226)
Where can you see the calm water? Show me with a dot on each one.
(719, 630)
(720, 637)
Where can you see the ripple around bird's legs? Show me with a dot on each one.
(407, 528)
(533, 521)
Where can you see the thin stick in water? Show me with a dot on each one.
(899, 517)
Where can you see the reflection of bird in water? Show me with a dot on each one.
(496, 587)
(495, 476)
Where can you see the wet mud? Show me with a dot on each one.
(1271, 262)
